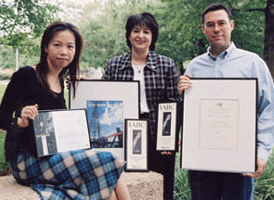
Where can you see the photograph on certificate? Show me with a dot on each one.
(108, 104)
(136, 149)
(219, 127)
(166, 129)
(60, 131)
(137, 142)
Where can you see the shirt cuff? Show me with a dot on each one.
(263, 153)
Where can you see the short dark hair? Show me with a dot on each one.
(214, 7)
(146, 19)
(72, 69)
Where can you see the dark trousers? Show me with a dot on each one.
(218, 185)
(163, 164)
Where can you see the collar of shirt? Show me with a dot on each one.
(225, 54)
(151, 61)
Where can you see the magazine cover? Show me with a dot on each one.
(105, 120)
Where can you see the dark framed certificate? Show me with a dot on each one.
(167, 137)
(61, 130)
(136, 149)
(220, 125)
(108, 104)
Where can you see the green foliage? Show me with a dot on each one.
(2, 135)
(2, 157)
(21, 23)
(249, 20)
(181, 37)
(105, 34)
(21, 19)
(8, 56)
(2, 91)
(264, 185)
(181, 186)
(103, 27)
(4, 76)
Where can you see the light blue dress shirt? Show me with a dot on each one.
(238, 63)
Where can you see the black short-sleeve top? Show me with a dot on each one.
(25, 89)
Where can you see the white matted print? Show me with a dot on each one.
(136, 151)
(167, 139)
(108, 103)
(220, 125)
(60, 130)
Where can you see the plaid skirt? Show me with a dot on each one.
(79, 175)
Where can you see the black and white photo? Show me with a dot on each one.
(136, 149)
(137, 142)
(167, 137)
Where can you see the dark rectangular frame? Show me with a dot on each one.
(173, 127)
(239, 161)
(102, 90)
(130, 167)
(53, 135)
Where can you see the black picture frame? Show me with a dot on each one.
(219, 128)
(61, 130)
(136, 145)
(120, 98)
(167, 126)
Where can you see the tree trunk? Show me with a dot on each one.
(269, 36)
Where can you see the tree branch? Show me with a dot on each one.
(248, 10)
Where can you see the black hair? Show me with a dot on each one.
(146, 19)
(72, 69)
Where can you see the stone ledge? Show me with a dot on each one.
(10, 189)
(142, 186)
(145, 186)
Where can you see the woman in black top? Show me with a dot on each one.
(81, 174)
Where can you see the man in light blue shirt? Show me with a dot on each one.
(223, 59)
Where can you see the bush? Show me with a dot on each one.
(5, 76)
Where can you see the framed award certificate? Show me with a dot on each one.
(167, 137)
(108, 104)
(136, 149)
(220, 125)
(61, 130)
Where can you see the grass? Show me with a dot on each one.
(2, 158)
(181, 186)
(2, 135)
(2, 90)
